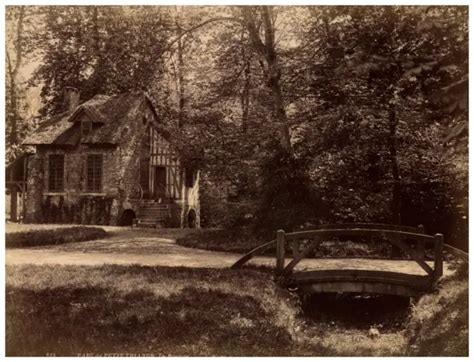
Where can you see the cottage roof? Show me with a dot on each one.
(113, 114)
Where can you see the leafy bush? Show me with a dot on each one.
(287, 199)
(215, 212)
(53, 236)
(233, 241)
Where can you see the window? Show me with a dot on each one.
(189, 179)
(56, 172)
(94, 173)
(86, 127)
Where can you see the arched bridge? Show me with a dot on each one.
(413, 269)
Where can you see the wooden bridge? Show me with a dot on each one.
(408, 276)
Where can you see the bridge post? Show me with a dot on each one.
(280, 251)
(420, 244)
(438, 256)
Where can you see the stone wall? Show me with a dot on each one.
(34, 184)
(190, 201)
(74, 204)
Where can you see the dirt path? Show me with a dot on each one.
(157, 247)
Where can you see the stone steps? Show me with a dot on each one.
(152, 214)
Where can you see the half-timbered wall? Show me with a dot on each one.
(161, 154)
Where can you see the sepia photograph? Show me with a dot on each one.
(236, 180)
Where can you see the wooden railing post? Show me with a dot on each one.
(438, 256)
(420, 244)
(280, 251)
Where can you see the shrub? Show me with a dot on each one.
(287, 199)
(54, 236)
(217, 212)
(234, 240)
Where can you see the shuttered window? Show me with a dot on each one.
(56, 172)
(94, 173)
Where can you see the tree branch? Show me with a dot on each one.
(204, 23)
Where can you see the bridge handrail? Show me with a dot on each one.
(418, 229)
(357, 232)
(252, 253)
(393, 236)
(457, 252)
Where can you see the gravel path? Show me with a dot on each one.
(158, 247)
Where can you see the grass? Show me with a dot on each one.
(143, 310)
(439, 321)
(57, 236)
(165, 311)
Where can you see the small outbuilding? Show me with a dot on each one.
(108, 161)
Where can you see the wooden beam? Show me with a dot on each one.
(280, 251)
(361, 287)
(438, 258)
(369, 226)
(256, 251)
(357, 232)
(456, 252)
(356, 275)
(314, 244)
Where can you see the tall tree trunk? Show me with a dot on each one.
(180, 69)
(13, 112)
(396, 188)
(245, 96)
(266, 49)
(13, 74)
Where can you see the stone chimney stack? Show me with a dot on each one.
(71, 99)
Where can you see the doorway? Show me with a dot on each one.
(159, 182)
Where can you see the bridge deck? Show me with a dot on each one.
(388, 265)
(359, 275)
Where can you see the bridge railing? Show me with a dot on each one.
(397, 238)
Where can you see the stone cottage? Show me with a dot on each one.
(108, 161)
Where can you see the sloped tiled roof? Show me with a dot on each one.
(113, 114)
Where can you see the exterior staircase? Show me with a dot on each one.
(153, 213)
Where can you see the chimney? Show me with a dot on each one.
(70, 99)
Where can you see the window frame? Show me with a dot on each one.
(55, 169)
(96, 171)
(86, 130)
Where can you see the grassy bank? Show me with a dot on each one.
(143, 310)
(439, 322)
(164, 311)
(56, 236)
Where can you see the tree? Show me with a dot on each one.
(21, 22)
(367, 89)
(100, 50)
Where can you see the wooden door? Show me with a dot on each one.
(145, 177)
(159, 182)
